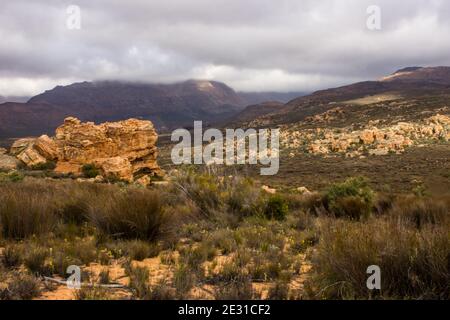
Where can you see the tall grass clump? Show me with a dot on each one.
(202, 189)
(414, 264)
(129, 214)
(25, 210)
(215, 194)
(421, 211)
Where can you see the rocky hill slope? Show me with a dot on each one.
(405, 93)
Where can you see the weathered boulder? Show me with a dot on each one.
(117, 167)
(47, 147)
(303, 191)
(367, 136)
(8, 163)
(25, 151)
(122, 149)
(20, 145)
(269, 190)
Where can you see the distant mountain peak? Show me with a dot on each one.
(420, 74)
(407, 69)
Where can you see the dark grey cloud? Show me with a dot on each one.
(252, 45)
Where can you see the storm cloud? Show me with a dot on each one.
(252, 45)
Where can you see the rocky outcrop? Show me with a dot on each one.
(125, 150)
(8, 163)
(370, 140)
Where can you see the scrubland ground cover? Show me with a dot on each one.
(212, 235)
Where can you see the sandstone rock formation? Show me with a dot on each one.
(8, 163)
(370, 140)
(125, 150)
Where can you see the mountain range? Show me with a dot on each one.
(177, 105)
(169, 106)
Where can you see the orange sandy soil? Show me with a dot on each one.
(159, 271)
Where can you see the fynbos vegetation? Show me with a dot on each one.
(215, 236)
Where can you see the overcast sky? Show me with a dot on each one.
(252, 45)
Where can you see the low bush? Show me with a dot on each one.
(352, 199)
(202, 189)
(214, 194)
(161, 291)
(239, 288)
(12, 256)
(13, 176)
(35, 260)
(104, 277)
(279, 291)
(276, 208)
(21, 287)
(136, 249)
(89, 170)
(49, 165)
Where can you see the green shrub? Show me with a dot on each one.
(220, 197)
(13, 176)
(49, 165)
(243, 198)
(223, 240)
(89, 170)
(202, 189)
(352, 198)
(276, 208)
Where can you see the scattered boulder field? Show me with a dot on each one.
(373, 139)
